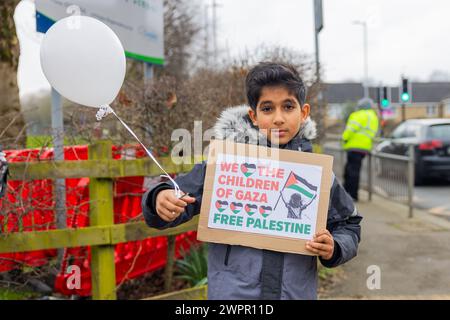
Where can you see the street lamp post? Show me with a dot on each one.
(318, 26)
(366, 57)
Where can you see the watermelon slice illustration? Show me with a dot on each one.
(221, 205)
(265, 211)
(236, 207)
(248, 169)
(250, 209)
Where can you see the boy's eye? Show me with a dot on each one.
(289, 106)
(266, 108)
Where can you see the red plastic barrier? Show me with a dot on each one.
(28, 206)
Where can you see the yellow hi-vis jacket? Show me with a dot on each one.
(361, 129)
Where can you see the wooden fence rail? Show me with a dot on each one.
(102, 234)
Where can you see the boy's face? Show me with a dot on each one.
(278, 114)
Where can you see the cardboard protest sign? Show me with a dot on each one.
(266, 198)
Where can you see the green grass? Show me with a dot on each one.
(15, 294)
(34, 142)
(326, 273)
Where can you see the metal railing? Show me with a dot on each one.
(387, 175)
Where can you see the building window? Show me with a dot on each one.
(397, 111)
(335, 111)
(431, 111)
(447, 109)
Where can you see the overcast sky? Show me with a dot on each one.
(408, 37)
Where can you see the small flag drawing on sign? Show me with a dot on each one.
(248, 169)
(221, 205)
(250, 209)
(265, 211)
(236, 207)
(297, 194)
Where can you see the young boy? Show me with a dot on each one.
(277, 114)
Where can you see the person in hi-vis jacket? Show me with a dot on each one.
(360, 131)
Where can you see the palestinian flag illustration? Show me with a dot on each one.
(248, 169)
(298, 188)
(265, 211)
(236, 207)
(251, 209)
(300, 185)
(221, 205)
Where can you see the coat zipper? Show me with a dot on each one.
(227, 254)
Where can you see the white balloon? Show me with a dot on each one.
(84, 61)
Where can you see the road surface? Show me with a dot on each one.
(434, 198)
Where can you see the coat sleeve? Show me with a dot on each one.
(191, 183)
(344, 224)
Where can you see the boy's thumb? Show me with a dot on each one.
(188, 199)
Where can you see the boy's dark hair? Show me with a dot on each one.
(274, 74)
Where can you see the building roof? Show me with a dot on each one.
(430, 91)
(343, 92)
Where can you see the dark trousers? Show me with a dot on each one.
(352, 173)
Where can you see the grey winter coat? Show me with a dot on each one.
(238, 272)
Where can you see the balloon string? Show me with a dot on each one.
(104, 111)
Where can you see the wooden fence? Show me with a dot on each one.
(102, 234)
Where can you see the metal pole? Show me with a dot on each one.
(149, 73)
(318, 26)
(366, 56)
(206, 44)
(58, 151)
(403, 112)
(411, 178)
(366, 60)
(214, 7)
(319, 89)
(317, 57)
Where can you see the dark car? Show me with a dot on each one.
(431, 140)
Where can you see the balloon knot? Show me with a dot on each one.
(103, 112)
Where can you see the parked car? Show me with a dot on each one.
(431, 141)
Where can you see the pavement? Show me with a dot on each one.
(434, 198)
(411, 256)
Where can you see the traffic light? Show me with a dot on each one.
(405, 96)
(385, 101)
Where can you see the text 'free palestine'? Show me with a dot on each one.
(262, 224)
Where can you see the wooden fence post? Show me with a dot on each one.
(168, 271)
(101, 213)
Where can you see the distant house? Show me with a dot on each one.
(446, 106)
(428, 100)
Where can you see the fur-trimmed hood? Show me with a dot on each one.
(235, 124)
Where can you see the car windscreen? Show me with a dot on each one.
(407, 130)
(441, 132)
